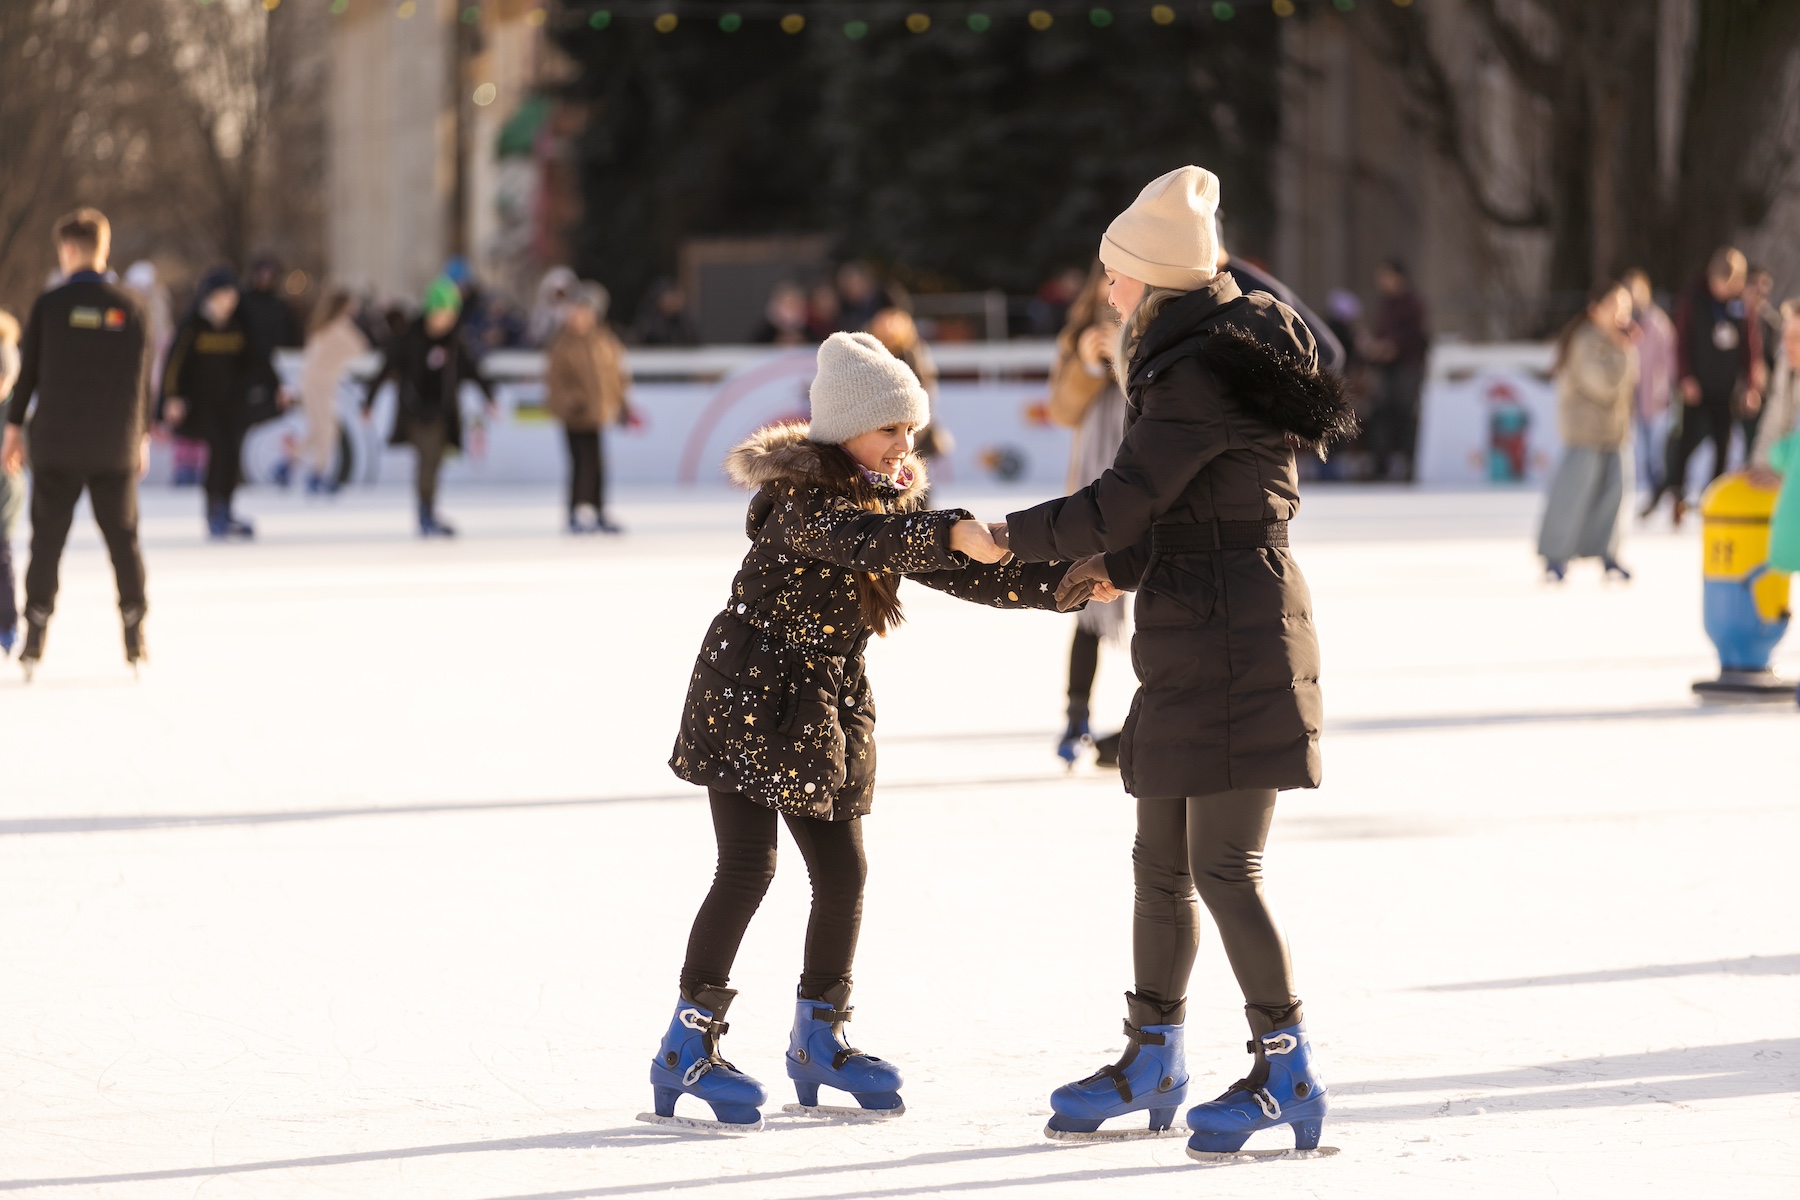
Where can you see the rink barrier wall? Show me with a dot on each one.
(1486, 410)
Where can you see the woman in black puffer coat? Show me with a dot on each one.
(779, 723)
(1221, 389)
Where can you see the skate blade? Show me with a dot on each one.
(1113, 1135)
(832, 1112)
(1249, 1156)
(700, 1125)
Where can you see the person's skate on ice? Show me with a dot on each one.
(779, 717)
(1192, 515)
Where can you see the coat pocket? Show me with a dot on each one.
(1188, 583)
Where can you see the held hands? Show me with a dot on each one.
(1690, 390)
(174, 410)
(1087, 581)
(12, 453)
(973, 539)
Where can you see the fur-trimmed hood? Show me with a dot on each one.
(1263, 354)
(1306, 403)
(783, 453)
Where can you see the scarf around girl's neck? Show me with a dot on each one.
(896, 483)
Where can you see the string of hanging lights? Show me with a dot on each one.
(858, 20)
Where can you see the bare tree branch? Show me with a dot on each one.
(1535, 73)
(1408, 52)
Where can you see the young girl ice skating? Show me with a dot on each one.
(779, 718)
(1221, 386)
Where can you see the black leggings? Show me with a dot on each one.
(587, 471)
(1215, 843)
(833, 851)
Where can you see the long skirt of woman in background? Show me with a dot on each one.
(1584, 516)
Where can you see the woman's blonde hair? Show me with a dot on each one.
(1131, 329)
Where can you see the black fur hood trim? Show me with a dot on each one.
(1309, 405)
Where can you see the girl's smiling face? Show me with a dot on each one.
(883, 451)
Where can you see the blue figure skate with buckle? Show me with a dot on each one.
(688, 1063)
(819, 1056)
(1151, 1076)
(1282, 1089)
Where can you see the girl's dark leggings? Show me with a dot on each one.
(833, 851)
(1213, 845)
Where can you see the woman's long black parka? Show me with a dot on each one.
(779, 707)
(1193, 516)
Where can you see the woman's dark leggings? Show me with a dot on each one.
(833, 851)
(1213, 844)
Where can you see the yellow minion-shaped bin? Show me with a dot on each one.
(1746, 600)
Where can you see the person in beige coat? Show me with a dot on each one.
(1596, 386)
(332, 344)
(1085, 397)
(584, 387)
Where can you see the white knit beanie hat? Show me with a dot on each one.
(1167, 237)
(859, 387)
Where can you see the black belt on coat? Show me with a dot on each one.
(1218, 535)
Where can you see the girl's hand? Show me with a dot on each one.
(973, 539)
(1086, 582)
(1092, 348)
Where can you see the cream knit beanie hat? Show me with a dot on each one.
(1167, 238)
(859, 387)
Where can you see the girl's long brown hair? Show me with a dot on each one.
(877, 595)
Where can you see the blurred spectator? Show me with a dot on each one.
(1718, 355)
(491, 322)
(142, 281)
(12, 491)
(553, 293)
(268, 319)
(1398, 344)
(585, 384)
(860, 296)
(1596, 390)
(662, 318)
(824, 316)
(332, 343)
(1085, 397)
(785, 317)
(1781, 404)
(1656, 378)
(213, 365)
(428, 362)
(1343, 314)
(1759, 286)
(895, 329)
(1049, 309)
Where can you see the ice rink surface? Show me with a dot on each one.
(377, 884)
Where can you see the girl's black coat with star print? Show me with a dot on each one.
(779, 706)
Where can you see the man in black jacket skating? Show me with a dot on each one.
(86, 359)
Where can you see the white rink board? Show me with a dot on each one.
(376, 886)
(685, 426)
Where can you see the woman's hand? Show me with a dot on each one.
(1092, 348)
(174, 409)
(1087, 582)
(973, 539)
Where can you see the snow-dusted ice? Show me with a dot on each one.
(377, 884)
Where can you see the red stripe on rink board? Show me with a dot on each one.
(786, 366)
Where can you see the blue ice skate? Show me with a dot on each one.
(1282, 1089)
(688, 1062)
(1151, 1076)
(1077, 735)
(818, 1055)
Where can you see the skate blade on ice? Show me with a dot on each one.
(1113, 1135)
(832, 1112)
(1217, 1158)
(700, 1125)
